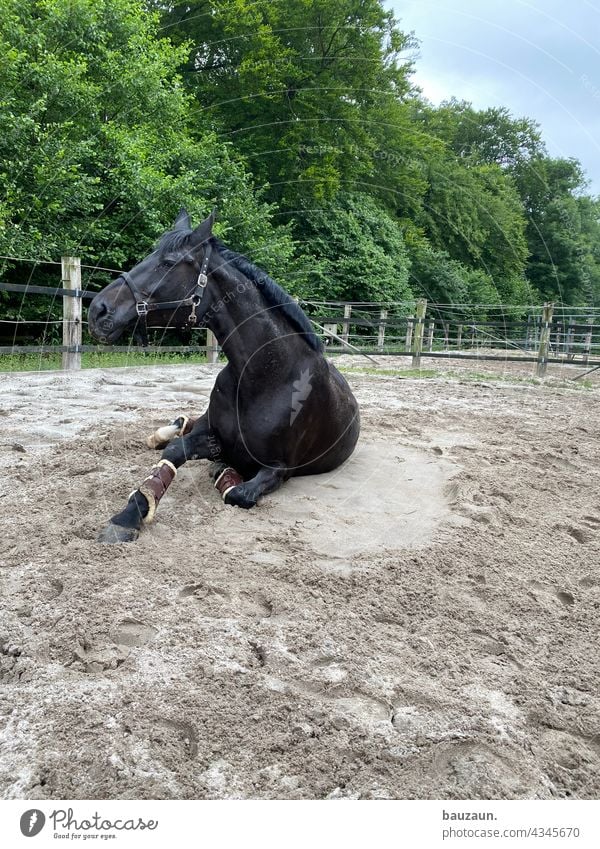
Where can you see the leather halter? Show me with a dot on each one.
(143, 307)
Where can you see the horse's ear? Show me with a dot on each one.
(203, 231)
(182, 222)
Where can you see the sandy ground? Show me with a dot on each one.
(422, 623)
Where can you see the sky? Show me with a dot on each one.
(539, 58)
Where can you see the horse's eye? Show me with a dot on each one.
(167, 263)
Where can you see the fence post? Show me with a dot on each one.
(558, 337)
(381, 337)
(459, 337)
(570, 340)
(409, 334)
(71, 279)
(587, 344)
(430, 332)
(417, 345)
(542, 361)
(346, 324)
(330, 331)
(446, 334)
(212, 351)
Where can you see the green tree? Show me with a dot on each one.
(563, 230)
(297, 85)
(99, 143)
(488, 136)
(472, 210)
(355, 252)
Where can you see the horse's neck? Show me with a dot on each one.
(243, 322)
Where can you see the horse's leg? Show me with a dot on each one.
(181, 426)
(200, 444)
(247, 494)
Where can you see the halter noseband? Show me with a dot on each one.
(142, 307)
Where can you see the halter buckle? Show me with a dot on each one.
(141, 308)
(202, 280)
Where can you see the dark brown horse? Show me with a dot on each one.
(278, 408)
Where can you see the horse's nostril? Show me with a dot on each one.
(97, 309)
(100, 318)
(100, 314)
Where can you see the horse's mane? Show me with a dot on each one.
(173, 240)
(273, 293)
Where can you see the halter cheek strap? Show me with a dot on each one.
(200, 286)
(142, 307)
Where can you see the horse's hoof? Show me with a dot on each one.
(238, 497)
(117, 533)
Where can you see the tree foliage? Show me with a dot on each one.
(300, 121)
(295, 85)
(563, 229)
(359, 252)
(98, 141)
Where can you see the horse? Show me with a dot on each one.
(278, 408)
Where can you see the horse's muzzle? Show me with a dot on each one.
(101, 323)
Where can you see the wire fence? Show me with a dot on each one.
(566, 334)
(549, 333)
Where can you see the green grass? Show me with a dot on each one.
(392, 372)
(413, 373)
(426, 373)
(93, 359)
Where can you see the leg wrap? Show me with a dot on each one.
(227, 480)
(161, 437)
(156, 484)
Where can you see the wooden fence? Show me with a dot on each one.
(413, 329)
(434, 330)
(72, 322)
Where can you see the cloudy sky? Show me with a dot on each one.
(540, 58)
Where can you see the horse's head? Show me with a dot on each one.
(169, 282)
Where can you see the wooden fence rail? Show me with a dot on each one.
(540, 338)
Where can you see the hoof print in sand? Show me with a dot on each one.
(582, 535)
(128, 634)
(565, 597)
(49, 589)
(175, 735)
(346, 704)
(589, 581)
(364, 708)
(217, 603)
(541, 590)
(133, 633)
(474, 767)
